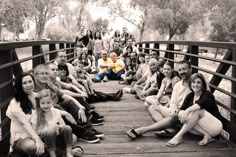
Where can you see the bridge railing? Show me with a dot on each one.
(34, 53)
(224, 71)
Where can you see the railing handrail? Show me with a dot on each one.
(213, 44)
(22, 44)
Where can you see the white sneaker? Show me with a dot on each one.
(105, 79)
(126, 90)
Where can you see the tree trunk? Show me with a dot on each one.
(170, 36)
(141, 31)
(0, 31)
(40, 30)
(81, 13)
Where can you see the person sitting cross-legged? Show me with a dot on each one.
(103, 64)
(117, 68)
(199, 113)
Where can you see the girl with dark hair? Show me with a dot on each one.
(199, 108)
(24, 139)
(64, 76)
(164, 94)
(128, 52)
(98, 46)
(117, 37)
(86, 62)
(63, 73)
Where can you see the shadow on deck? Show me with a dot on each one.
(130, 113)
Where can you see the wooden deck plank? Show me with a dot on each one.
(128, 113)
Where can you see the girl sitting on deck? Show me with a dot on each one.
(47, 121)
(199, 113)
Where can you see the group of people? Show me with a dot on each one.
(182, 104)
(52, 107)
(89, 46)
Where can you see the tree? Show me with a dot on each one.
(40, 12)
(2, 12)
(132, 11)
(14, 17)
(223, 20)
(81, 9)
(172, 18)
(100, 23)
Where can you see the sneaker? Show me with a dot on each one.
(127, 90)
(89, 137)
(96, 133)
(97, 116)
(96, 122)
(91, 106)
(122, 82)
(105, 79)
(96, 80)
(118, 95)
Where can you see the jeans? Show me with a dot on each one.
(111, 75)
(100, 97)
(53, 139)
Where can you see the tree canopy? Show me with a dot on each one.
(170, 18)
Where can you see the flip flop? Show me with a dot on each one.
(169, 144)
(79, 151)
(132, 134)
(203, 143)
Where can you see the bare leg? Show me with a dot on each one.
(154, 112)
(150, 100)
(69, 151)
(90, 85)
(193, 120)
(86, 86)
(162, 124)
(52, 153)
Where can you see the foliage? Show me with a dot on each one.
(223, 21)
(14, 16)
(60, 33)
(173, 18)
(40, 12)
(100, 24)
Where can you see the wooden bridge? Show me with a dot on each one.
(128, 113)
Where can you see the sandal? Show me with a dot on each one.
(78, 151)
(205, 142)
(132, 134)
(170, 144)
